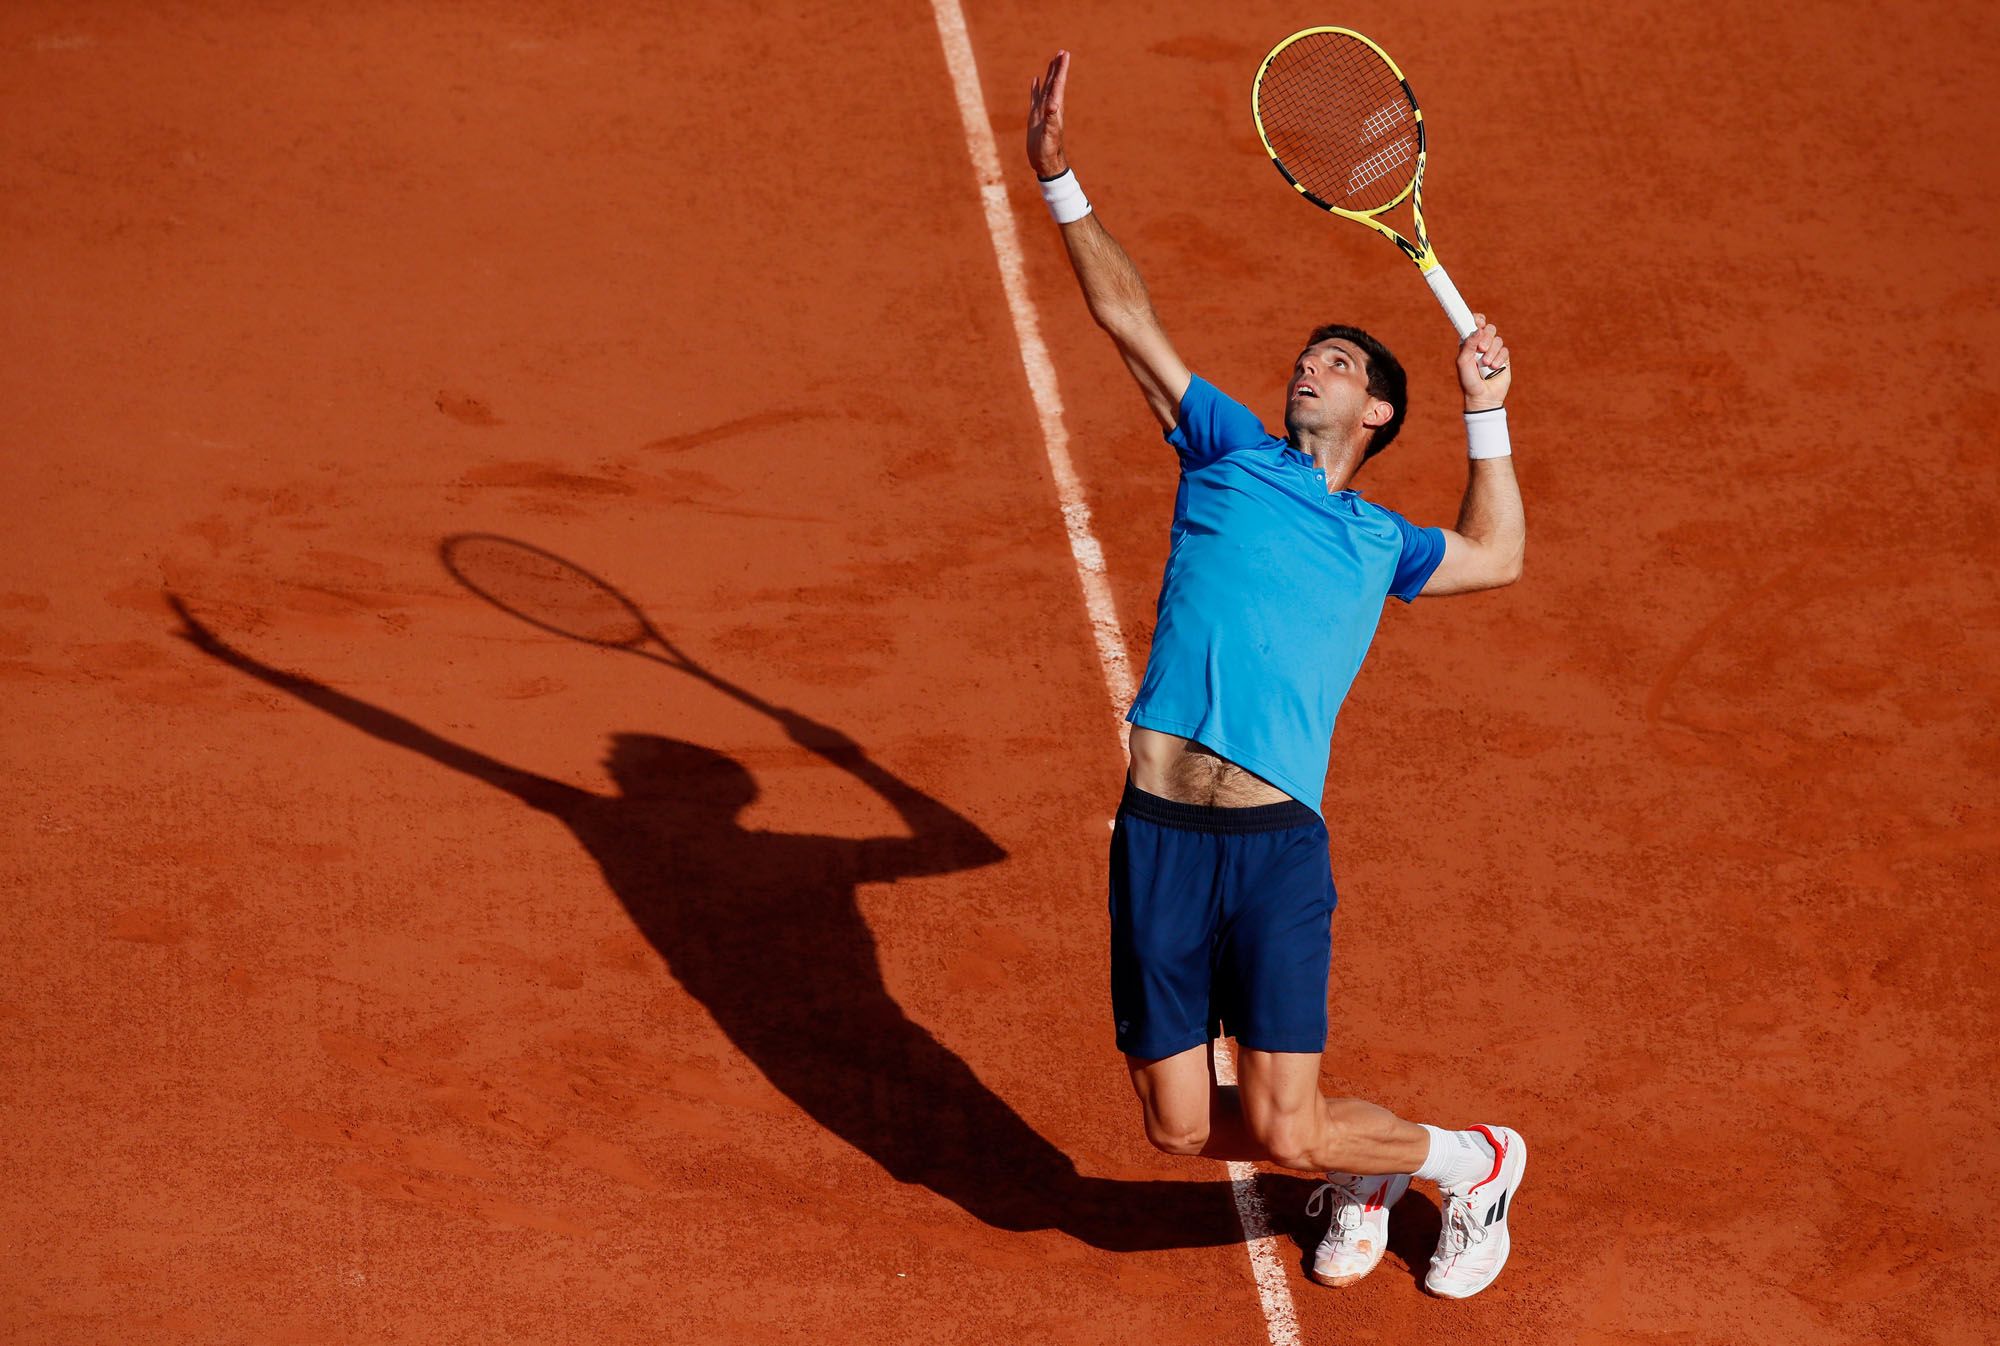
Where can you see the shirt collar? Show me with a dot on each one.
(1304, 459)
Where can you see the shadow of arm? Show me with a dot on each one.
(942, 840)
(535, 791)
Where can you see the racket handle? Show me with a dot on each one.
(1455, 308)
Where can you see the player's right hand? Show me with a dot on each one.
(1479, 352)
(1045, 120)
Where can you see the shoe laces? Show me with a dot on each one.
(1344, 1193)
(1461, 1228)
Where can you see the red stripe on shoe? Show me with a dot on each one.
(1499, 1158)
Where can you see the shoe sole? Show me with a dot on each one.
(1517, 1161)
(1396, 1191)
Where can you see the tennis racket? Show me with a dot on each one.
(560, 597)
(1339, 120)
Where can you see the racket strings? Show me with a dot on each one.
(1340, 121)
(546, 591)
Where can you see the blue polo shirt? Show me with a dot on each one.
(1272, 592)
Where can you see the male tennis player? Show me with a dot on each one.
(1221, 894)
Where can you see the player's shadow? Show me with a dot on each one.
(763, 929)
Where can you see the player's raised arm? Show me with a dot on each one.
(1485, 550)
(1111, 284)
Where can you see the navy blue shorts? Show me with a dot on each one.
(1221, 921)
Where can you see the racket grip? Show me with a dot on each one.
(1455, 308)
(1454, 303)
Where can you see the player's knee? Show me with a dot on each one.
(1289, 1138)
(1170, 1135)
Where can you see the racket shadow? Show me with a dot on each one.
(763, 928)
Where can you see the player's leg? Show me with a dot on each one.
(1297, 1127)
(1187, 1112)
(1272, 976)
(1270, 986)
(1370, 1150)
(1163, 912)
(1166, 867)
(1174, 1099)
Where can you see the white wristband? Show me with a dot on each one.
(1066, 200)
(1486, 434)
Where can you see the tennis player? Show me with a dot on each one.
(1221, 893)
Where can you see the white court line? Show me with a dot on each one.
(1273, 1290)
(1083, 545)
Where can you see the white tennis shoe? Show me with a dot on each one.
(1473, 1245)
(1358, 1233)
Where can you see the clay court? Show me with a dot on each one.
(382, 967)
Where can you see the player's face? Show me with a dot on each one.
(1329, 388)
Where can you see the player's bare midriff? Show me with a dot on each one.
(1185, 771)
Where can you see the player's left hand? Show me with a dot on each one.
(1046, 154)
(1484, 345)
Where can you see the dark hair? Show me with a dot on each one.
(1386, 379)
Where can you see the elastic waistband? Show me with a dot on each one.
(1276, 817)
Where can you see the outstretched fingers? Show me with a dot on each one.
(1047, 90)
(1045, 119)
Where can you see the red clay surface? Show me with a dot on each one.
(359, 1002)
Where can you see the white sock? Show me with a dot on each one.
(1456, 1158)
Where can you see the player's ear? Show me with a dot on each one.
(1379, 414)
